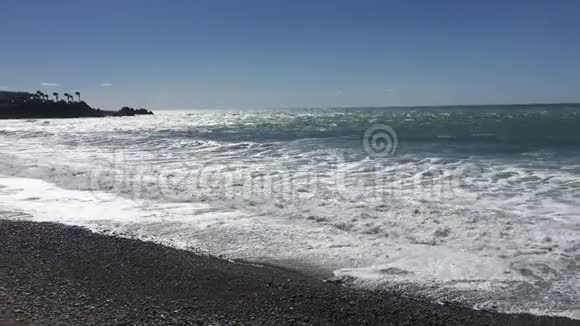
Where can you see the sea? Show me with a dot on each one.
(476, 205)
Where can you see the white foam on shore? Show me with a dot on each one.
(235, 234)
(41, 201)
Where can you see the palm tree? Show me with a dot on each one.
(40, 95)
(67, 95)
(78, 94)
(55, 94)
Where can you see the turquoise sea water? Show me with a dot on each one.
(479, 205)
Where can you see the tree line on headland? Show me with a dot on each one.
(25, 105)
(44, 97)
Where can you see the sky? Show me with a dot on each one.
(199, 54)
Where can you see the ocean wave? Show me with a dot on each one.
(453, 212)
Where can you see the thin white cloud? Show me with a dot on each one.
(106, 84)
(50, 84)
(4, 88)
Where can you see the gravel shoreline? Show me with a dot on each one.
(57, 274)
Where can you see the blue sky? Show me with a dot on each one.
(256, 54)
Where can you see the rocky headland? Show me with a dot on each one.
(24, 105)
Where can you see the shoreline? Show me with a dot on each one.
(57, 274)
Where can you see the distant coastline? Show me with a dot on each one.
(25, 105)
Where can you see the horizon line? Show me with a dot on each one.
(422, 106)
